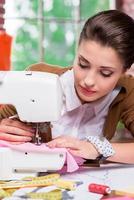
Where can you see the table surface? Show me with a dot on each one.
(116, 176)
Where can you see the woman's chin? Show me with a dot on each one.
(85, 99)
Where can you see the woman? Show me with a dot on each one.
(97, 93)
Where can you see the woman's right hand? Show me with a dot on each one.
(15, 131)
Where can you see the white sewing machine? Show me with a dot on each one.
(37, 97)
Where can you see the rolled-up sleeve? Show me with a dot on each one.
(7, 111)
(127, 115)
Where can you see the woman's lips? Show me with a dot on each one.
(87, 91)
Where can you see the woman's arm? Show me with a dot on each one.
(124, 152)
(7, 111)
(13, 130)
(80, 148)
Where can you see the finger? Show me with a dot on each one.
(75, 152)
(64, 142)
(18, 124)
(52, 141)
(71, 143)
(15, 131)
(61, 144)
(16, 143)
(51, 144)
(57, 142)
(14, 138)
(65, 145)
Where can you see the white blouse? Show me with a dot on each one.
(81, 120)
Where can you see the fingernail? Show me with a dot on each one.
(32, 130)
(51, 145)
(28, 139)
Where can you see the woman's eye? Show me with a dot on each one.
(82, 65)
(106, 73)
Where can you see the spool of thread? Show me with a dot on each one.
(99, 189)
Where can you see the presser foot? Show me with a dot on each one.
(37, 141)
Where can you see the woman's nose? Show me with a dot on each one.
(89, 80)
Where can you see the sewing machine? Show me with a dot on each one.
(37, 97)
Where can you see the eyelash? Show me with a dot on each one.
(104, 75)
(82, 66)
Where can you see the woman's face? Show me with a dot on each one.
(97, 70)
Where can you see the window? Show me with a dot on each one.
(47, 30)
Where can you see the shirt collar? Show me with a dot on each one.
(105, 101)
(71, 99)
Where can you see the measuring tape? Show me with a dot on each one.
(53, 195)
(49, 176)
(40, 182)
(7, 188)
(3, 193)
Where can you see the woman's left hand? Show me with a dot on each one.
(81, 148)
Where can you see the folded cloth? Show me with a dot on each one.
(71, 161)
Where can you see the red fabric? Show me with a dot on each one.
(5, 51)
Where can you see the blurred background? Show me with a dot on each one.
(46, 30)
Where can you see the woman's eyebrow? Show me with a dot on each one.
(80, 56)
(107, 68)
(102, 67)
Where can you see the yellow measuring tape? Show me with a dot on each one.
(53, 179)
(7, 188)
(49, 176)
(3, 193)
(53, 195)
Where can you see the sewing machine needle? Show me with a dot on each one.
(37, 135)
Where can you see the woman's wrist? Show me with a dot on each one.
(102, 146)
(91, 151)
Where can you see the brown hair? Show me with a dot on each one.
(114, 29)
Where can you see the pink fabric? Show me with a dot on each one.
(72, 163)
(119, 198)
